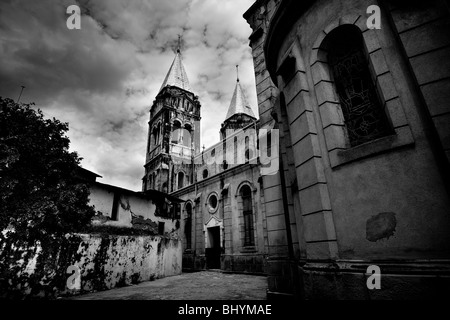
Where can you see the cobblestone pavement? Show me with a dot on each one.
(204, 285)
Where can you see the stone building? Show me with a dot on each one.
(223, 216)
(357, 122)
(365, 145)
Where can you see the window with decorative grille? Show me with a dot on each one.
(249, 237)
(364, 116)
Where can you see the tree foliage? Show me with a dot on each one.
(40, 195)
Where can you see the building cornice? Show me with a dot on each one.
(215, 178)
(286, 14)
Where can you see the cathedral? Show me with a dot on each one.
(223, 214)
(354, 121)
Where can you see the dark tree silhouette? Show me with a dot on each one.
(41, 198)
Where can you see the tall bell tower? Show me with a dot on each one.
(173, 134)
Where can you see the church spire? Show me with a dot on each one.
(179, 44)
(239, 102)
(177, 74)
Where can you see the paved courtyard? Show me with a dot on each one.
(204, 285)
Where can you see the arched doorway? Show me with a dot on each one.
(213, 242)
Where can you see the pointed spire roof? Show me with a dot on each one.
(239, 103)
(177, 75)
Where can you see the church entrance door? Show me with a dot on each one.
(213, 252)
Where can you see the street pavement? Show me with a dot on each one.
(203, 285)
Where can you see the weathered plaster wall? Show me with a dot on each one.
(103, 262)
(129, 206)
(102, 199)
(125, 260)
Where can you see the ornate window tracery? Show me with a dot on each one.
(364, 116)
(247, 208)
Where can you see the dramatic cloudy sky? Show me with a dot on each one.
(103, 78)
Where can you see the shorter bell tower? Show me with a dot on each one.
(239, 114)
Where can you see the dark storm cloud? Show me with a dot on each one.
(47, 58)
(103, 78)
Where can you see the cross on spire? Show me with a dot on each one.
(179, 43)
(177, 74)
(239, 103)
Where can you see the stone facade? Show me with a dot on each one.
(223, 219)
(173, 130)
(361, 152)
(350, 205)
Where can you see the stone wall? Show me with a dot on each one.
(282, 250)
(228, 216)
(383, 202)
(84, 263)
(422, 29)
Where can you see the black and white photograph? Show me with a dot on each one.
(224, 155)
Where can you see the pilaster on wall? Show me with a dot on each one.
(199, 237)
(258, 17)
(316, 214)
(280, 269)
(423, 30)
(291, 184)
(227, 223)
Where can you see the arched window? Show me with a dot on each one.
(177, 133)
(224, 165)
(235, 146)
(224, 154)
(150, 181)
(155, 136)
(154, 181)
(180, 180)
(149, 140)
(247, 149)
(364, 116)
(158, 138)
(188, 226)
(269, 143)
(187, 139)
(247, 211)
